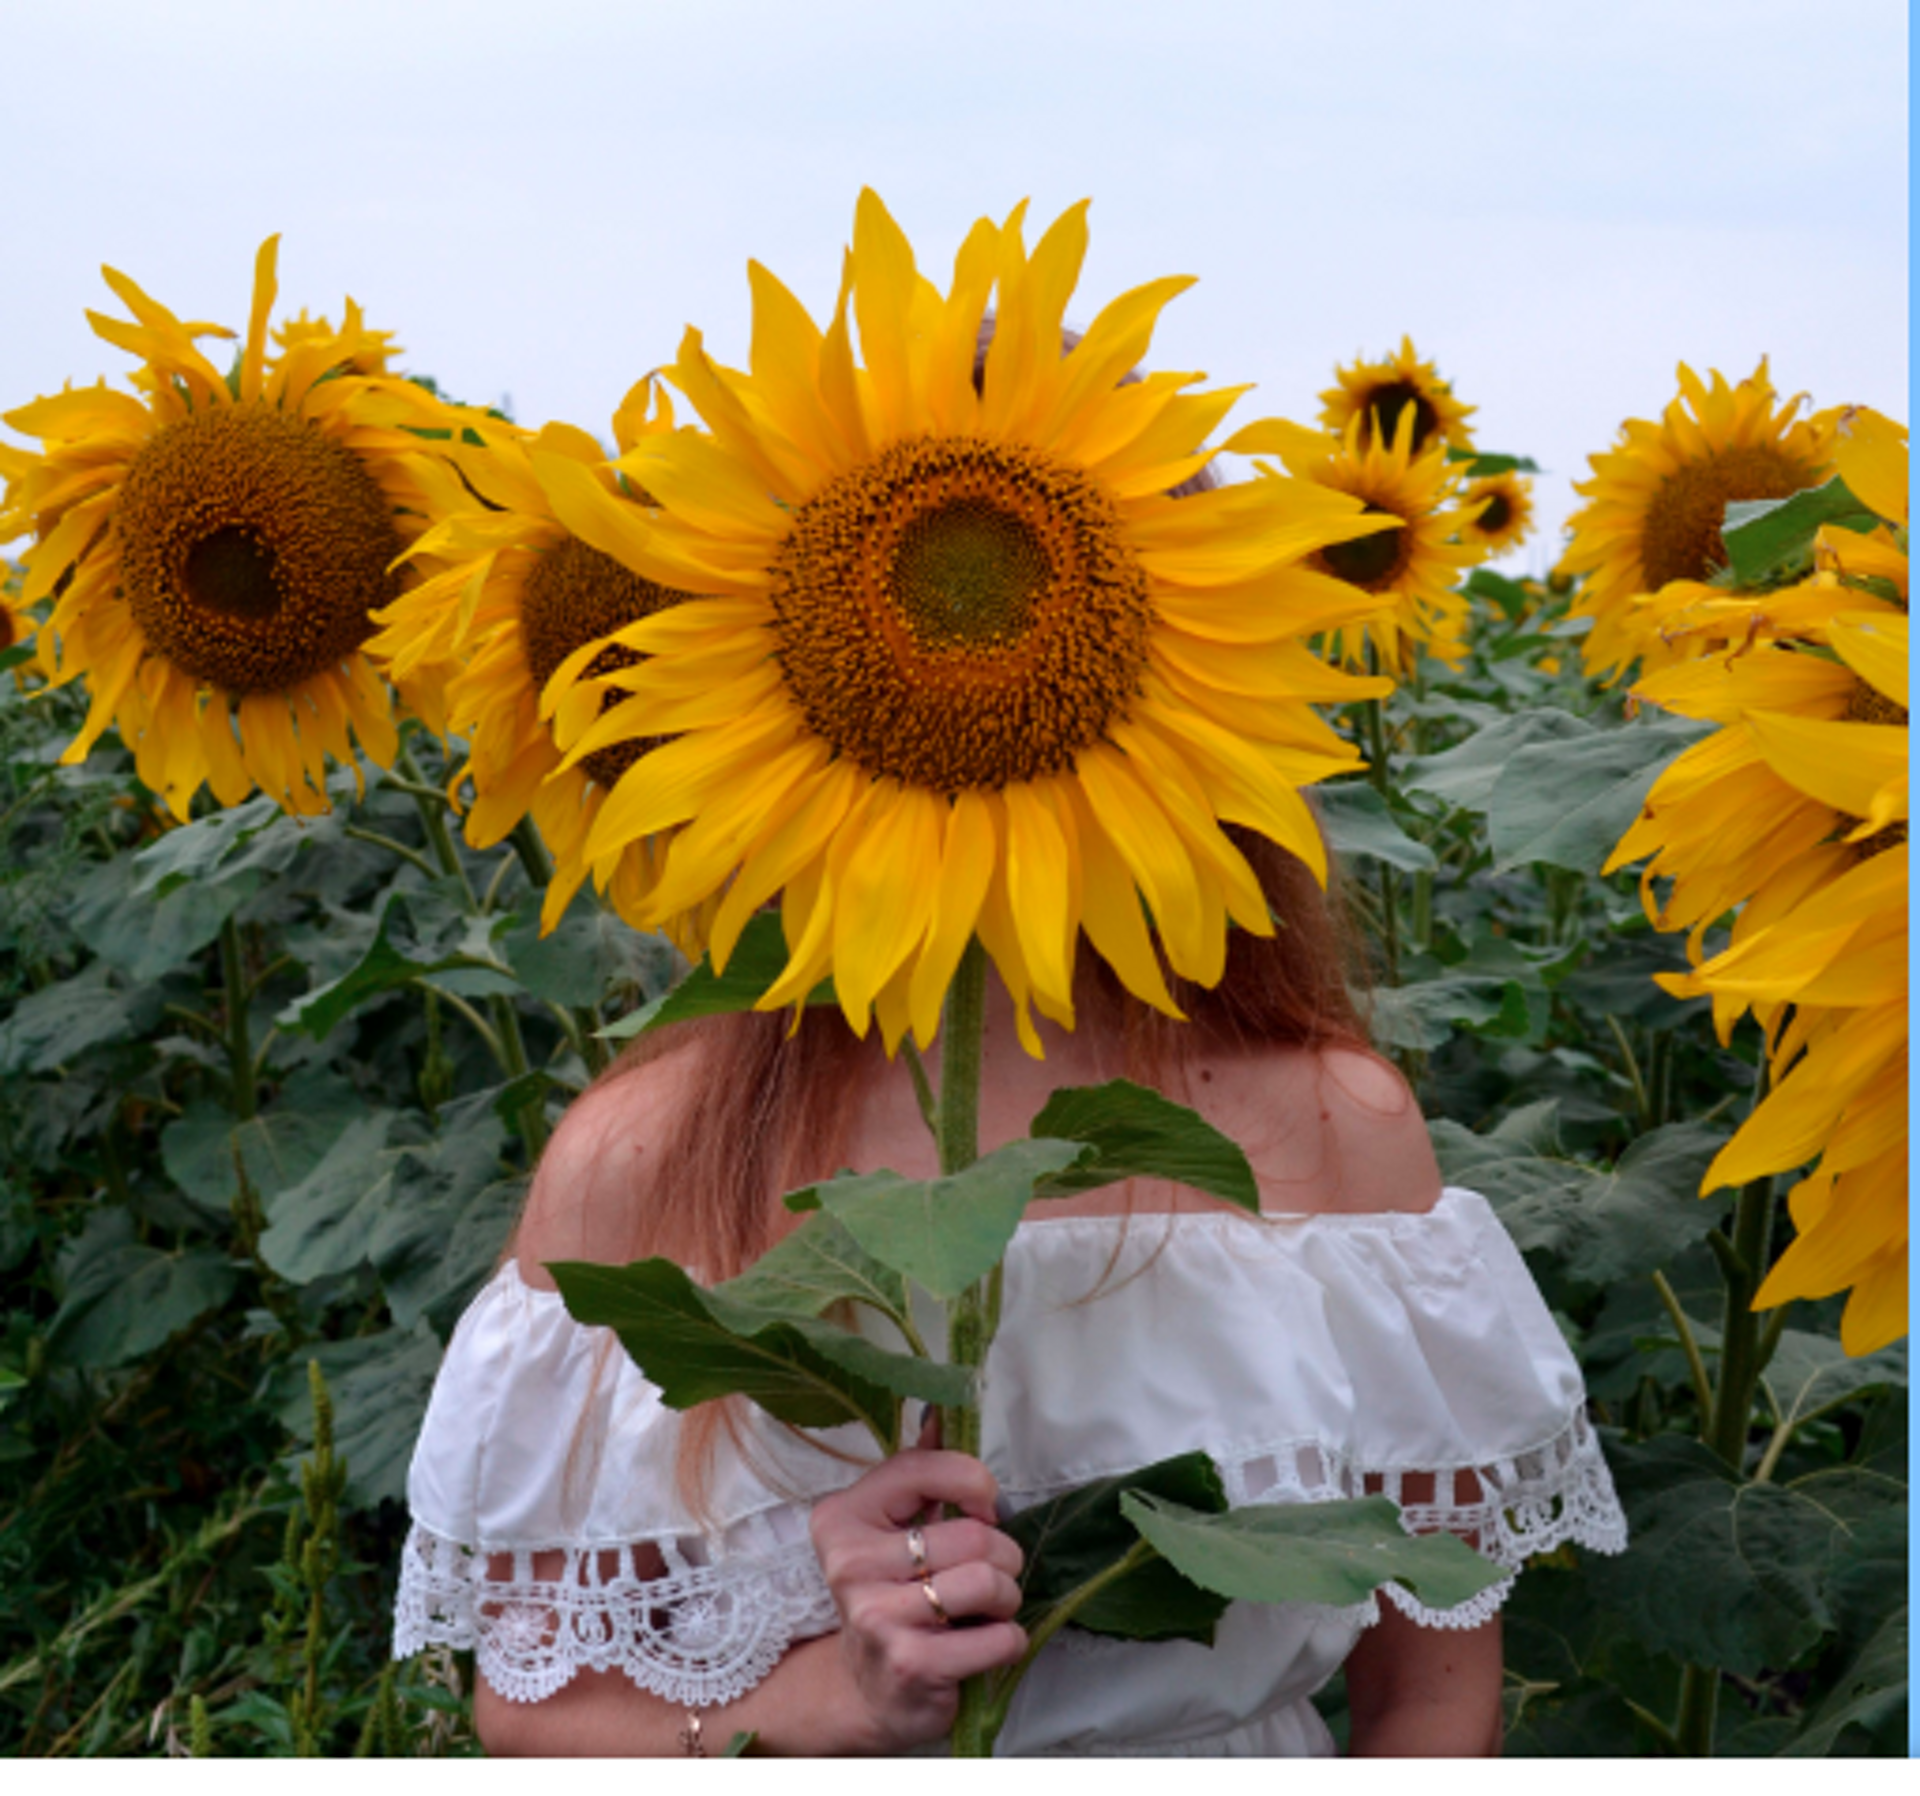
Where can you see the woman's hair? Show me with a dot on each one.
(772, 1105)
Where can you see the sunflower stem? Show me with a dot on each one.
(1726, 1428)
(412, 856)
(233, 969)
(969, 1316)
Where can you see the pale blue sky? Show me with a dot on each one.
(1557, 201)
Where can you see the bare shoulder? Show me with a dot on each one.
(1327, 1130)
(594, 1176)
(1381, 1157)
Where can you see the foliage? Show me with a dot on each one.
(274, 1091)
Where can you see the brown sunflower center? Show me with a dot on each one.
(1385, 405)
(1868, 704)
(575, 593)
(252, 547)
(1371, 563)
(1497, 516)
(1680, 539)
(960, 613)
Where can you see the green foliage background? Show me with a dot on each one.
(273, 1089)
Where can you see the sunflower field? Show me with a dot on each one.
(372, 767)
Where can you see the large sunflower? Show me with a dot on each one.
(215, 546)
(1411, 567)
(1380, 394)
(959, 663)
(1796, 812)
(1649, 534)
(1497, 513)
(512, 597)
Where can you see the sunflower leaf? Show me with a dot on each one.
(1480, 466)
(818, 1265)
(1598, 1225)
(758, 959)
(1359, 825)
(1763, 535)
(696, 1345)
(1071, 1540)
(1335, 1553)
(1138, 1134)
(945, 1233)
(257, 837)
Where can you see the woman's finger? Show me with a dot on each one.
(898, 1490)
(964, 1540)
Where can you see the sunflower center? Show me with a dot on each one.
(1867, 704)
(1681, 537)
(575, 593)
(1371, 563)
(1385, 404)
(1497, 516)
(253, 547)
(960, 613)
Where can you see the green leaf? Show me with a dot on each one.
(1359, 825)
(1334, 1553)
(1729, 1573)
(696, 1345)
(380, 1385)
(245, 843)
(758, 959)
(147, 936)
(279, 1147)
(817, 1266)
(1809, 1373)
(1870, 1694)
(124, 1302)
(324, 1223)
(1479, 465)
(1138, 1134)
(447, 1214)
(1599, 1224)
(590, 954)
(1466, 774)
(60, 1022)
(1071, 1539)
(944, 1233)
(470, 970)
(1567, 803)
(1765, 535)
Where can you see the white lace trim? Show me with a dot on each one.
(697, 1636)
(704, 1633)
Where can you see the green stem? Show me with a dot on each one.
(1725, 1430)
(1702, 1385)
(245, 1102)
(412, 856)
(1640, 1102)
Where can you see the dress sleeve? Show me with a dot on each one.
(548, 1533)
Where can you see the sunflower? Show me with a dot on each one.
(1497, 513)
(1649, 534)
(1813, 747)
(1375, 396)
(1412, 566)
(215, 546)
(958, 663)
(511, 597)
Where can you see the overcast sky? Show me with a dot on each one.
(1557, 201)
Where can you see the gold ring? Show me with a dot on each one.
(917, 1549)
(934, 1603)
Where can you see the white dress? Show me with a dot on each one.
(1314, 1357)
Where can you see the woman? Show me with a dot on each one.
(638, 1582)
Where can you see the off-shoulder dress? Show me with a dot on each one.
(1313, 1357)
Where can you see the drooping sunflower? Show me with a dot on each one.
(1649, 534)
(958, 663)
(1412, 565)
(511, 597)
(1497, 513)
(1382, 393)
(1796, 813)
(215, 546)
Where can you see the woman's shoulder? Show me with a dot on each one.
(596, 1172)
(1330, 1129)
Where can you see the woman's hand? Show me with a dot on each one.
(905, 1651)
